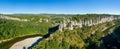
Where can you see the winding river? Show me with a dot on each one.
(27, 42)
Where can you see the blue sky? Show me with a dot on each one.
(60, 6)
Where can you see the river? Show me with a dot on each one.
(27, 42)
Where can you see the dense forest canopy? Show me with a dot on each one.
(78, 38)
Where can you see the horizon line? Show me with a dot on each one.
(63, 13)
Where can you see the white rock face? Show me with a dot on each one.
(12, 18)
(40, 20)
(64, 23)
(71, 25)
(46, 20)
(86, 22)
(60, 27)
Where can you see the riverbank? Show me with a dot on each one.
(24, 44)
(9, 43)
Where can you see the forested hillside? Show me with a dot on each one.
(84, 38)
(74, 32)
(13, 28)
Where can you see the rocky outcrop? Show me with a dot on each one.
(70, 24)
(12, 18)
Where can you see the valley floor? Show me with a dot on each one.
(24, 44)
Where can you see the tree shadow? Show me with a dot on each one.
(50, 31)
(24, 47)
(34, 44)
(111, 41)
